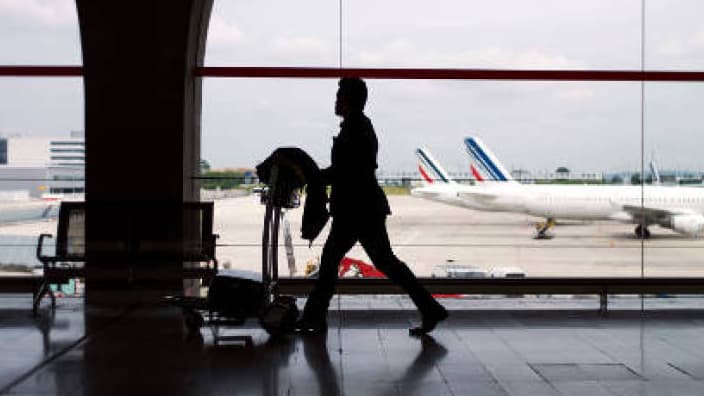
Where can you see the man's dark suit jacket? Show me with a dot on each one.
(355, 191)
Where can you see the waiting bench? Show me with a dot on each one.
(133, 242)
(17, 284)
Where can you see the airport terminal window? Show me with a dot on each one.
(537, 34)
(595, 128)
(251, 34)
(36, 113)
(605, 132)
(67, 158)
(55, 150)
(670, 136)
(30, 181)
(602, 248)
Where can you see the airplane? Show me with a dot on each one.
(678, 208)
(31, 210)
(438, 185)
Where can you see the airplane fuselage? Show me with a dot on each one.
(582, 202)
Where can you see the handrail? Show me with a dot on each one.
(603, 287)
(593, 285)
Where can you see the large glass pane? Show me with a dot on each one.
(542, 34)
(674, 37)
(273, 33)
(244, 120)
(673, 120)
(37, 32)
(42, 162)
(533, 128)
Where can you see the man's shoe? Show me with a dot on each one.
(429, 322)
(304, 326)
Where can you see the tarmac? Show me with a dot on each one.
(426, 234)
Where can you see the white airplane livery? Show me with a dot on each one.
(680, 209)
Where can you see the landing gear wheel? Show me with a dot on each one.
(542, 229)
(642, 232)
(544, 235)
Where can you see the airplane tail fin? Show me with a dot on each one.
(484, 164)
(655, 173)
(429, 169)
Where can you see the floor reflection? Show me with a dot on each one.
(28, 341)
(430, 353)
(247, 364)
(315, 351)
(274, 367)
(147, 351)
(22, 319)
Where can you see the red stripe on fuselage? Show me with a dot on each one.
(475, 173)
(425, 175)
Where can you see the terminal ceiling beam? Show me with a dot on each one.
(391, 73)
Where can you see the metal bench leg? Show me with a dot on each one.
(53, 298)
(603, 304)
(43, 290)
(38, 295)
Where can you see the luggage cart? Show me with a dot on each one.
(258, 298)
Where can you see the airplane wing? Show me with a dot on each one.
(478, 196)
(653, 215)
(425, 192)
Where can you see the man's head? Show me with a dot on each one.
(351, 96)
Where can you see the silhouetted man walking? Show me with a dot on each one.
(359, 209)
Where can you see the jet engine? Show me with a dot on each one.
(689, 224)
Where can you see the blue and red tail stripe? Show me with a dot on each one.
(475, 173)
(427, 163)
(424, 174)
(484, 161)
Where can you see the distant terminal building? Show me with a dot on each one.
(560, 174)
(572, 176)
(42, 166)
(522, 175)
(413, 178)
(680, 177)
(397, 178)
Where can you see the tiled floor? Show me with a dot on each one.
(365, 352)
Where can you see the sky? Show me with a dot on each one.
(586, 126)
